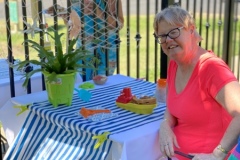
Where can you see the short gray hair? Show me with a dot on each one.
(174, 15)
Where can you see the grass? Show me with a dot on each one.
(209, 42)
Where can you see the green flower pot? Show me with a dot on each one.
(61, 90)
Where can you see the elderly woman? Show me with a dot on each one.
(203, 96)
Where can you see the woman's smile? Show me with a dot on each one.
(172, 47)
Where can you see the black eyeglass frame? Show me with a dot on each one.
(167, 35)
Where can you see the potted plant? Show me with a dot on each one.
(59, 68)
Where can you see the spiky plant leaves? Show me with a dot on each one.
(60, 62)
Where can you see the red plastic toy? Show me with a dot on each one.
(125, 96)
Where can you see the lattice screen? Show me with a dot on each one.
(96, 22)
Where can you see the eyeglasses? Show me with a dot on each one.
(173, 34)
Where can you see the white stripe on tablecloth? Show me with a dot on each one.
(63, 115)
(21, 139)
(62, 134)
(41, 128)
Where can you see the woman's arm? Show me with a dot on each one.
(171, 120)
(75, 25)
(120, 15)
(114, 14)
(229, 98)
(167, 138)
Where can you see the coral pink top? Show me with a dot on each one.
(201, 120)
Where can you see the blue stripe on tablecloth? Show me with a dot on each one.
(35, 141)
(46, 146)
(61, 142)
(63, 134)
(21, 138)
(102, 99)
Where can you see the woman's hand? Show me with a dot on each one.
(216, 155)
(167, 139)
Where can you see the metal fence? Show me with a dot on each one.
(139, 55)
(217, 23)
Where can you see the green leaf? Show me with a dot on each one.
(62, 61)
(29, 75)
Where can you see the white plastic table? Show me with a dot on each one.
(140, 142)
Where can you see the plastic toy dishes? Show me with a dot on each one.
(96, 114)
(83, 94)
(87, 85)
(99, 79)
(89, 112)
(142, 105)
(136, 108)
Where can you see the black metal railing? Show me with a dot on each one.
(217, 22)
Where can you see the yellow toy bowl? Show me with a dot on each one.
(136, 108)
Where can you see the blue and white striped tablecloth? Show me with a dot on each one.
(60, 133)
